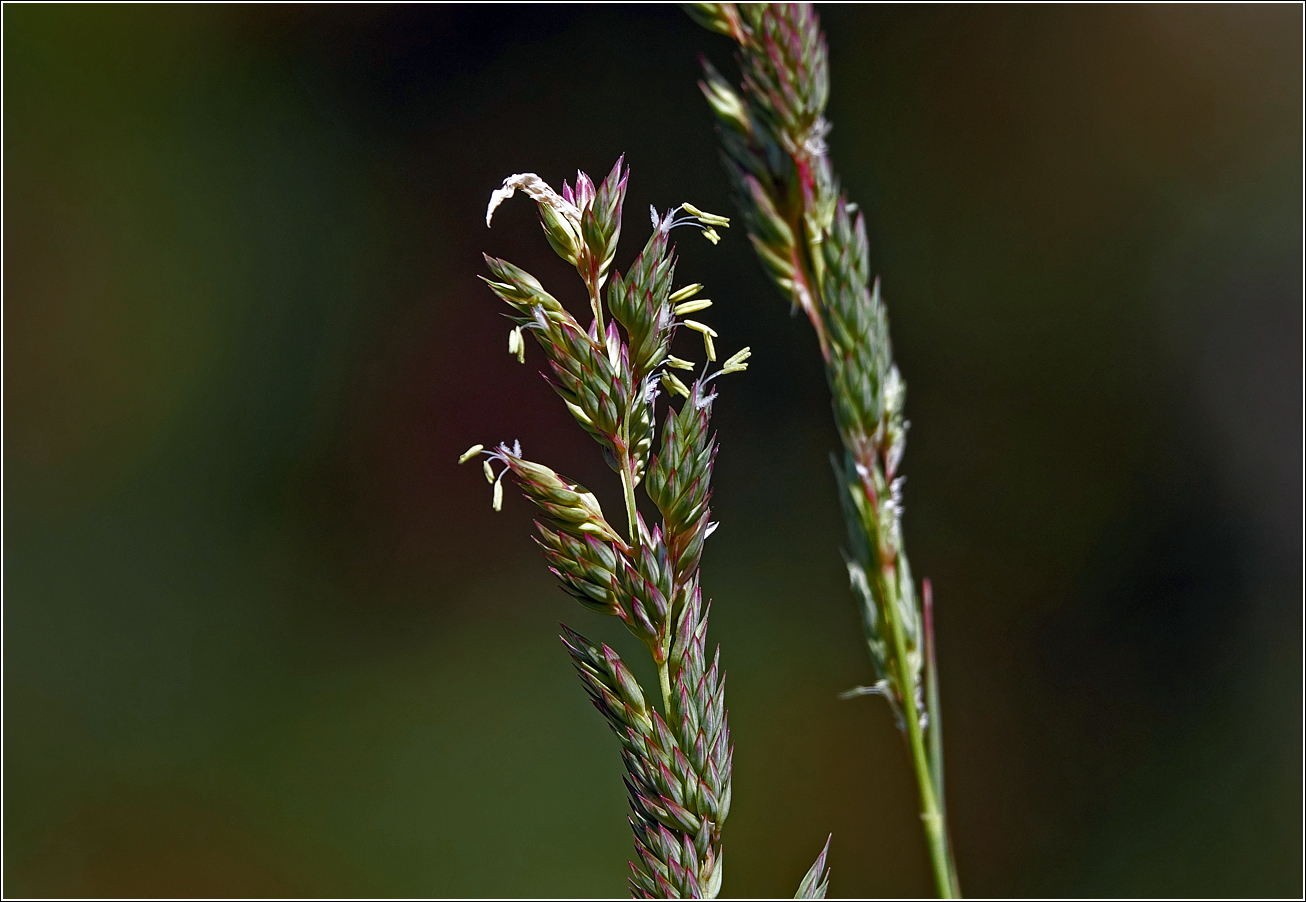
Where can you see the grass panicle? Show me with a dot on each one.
(610, 376)
(812, 243)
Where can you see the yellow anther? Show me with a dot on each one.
(699, 327)
(677, 364)
(470, 453)
(489, 473)
(674, 385)
(736, 361)
(708, 219)
(691, 306)
(711, 235)
(686, 293)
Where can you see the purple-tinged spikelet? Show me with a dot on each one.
(678, 762)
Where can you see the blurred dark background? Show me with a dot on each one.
(263, 637)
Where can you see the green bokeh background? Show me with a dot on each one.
(262, 637)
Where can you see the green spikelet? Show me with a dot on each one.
(772, 129)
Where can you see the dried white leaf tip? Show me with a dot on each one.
(539, 191)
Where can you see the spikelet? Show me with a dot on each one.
(679, 760)
(813, 245)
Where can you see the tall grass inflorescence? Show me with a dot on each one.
(610, 376)
(812, 242)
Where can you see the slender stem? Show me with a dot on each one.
(628, 489)
(935, 737)
(936, 834)
(596, 306)
(936, 724)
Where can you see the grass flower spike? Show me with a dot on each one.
(677, 754)
(812, 243)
